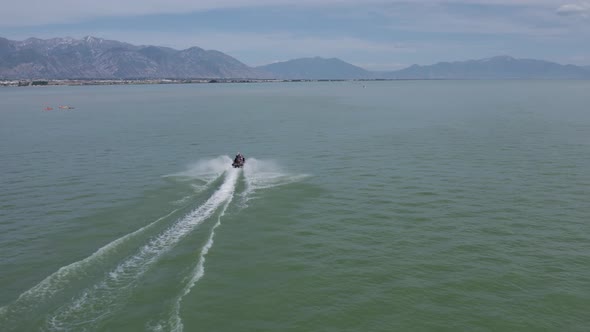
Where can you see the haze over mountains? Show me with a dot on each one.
(96, 58)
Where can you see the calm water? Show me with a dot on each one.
(410, 206)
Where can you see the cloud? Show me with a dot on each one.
(488, 21)
(582, 9)
(484, 26)
(40, 12)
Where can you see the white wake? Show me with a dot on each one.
(98, 302)
(259, 174)
(203, 171)
(101, 300)
(264, 174)
(174, 322)
(62, 278)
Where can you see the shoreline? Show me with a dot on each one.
(81, 82)
(90, 82)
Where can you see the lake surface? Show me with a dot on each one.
(363, 206)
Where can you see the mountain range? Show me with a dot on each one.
(498, 67)
(97, 58)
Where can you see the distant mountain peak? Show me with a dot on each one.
(315, 68)
(91, 39)
(194, 49)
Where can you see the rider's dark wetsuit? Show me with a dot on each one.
(239, 160)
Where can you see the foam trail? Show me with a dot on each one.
(63, 277)
(198, 272)
(207, 171)
(263, 174)
(259, 174)
(99, 301)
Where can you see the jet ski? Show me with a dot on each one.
(239, 161)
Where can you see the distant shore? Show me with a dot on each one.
(78, 82)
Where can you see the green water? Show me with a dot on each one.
(375, 206)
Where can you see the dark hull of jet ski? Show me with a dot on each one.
(238, 165)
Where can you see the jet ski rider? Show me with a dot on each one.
(239, 159)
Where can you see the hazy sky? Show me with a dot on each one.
(374, 34)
